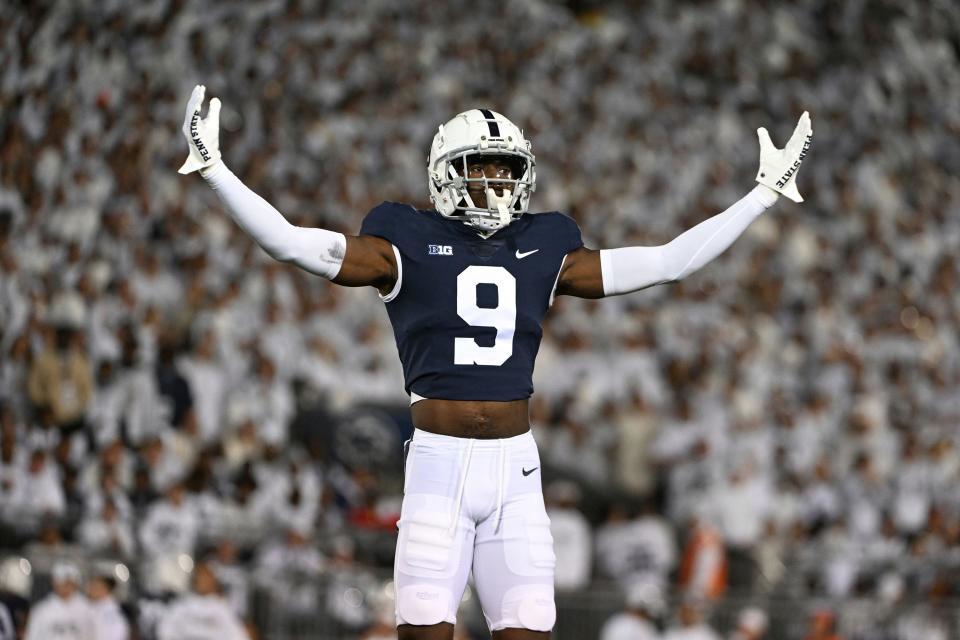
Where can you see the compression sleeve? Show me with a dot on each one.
(316, 250)
(633, 268)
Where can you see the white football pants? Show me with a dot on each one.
(474, 504)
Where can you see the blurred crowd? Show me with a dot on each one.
(782, 424)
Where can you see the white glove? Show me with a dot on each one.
(778, 167)
(203, 136)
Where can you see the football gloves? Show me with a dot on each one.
(203, 135)
(778, 167)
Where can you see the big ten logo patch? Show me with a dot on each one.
(439, 250)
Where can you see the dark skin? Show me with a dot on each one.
(369, 261)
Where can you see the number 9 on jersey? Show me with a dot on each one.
(502, 317)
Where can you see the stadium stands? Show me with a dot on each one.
(168, 395)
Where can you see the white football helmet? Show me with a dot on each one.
(483, 132)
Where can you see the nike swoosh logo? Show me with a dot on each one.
(521, 256)
(525, 472)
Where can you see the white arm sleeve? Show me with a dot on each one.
(633, 268)
(316, 250)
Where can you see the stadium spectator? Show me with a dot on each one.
(572, 535)
(105, 411)
(65, 613)
(11, 450)
(145, 412)
(741, 503)
(108, 475)
(245, 513)
(638, 549)
(267, 400)
(373, 510)
(644, 603)
(684, 450)
(105, 531)
(822, 502)
(171, 525)
(14, 315)
(288, 566)
(352, 591)
(110, 623)
(61, 380)
(297, 497)
(690, 623)
(167, 458)
(142, 494)
(703, 564)
(842, 559)
(920, 621)
(578, 452)
(637, 426)
(14, 367)
(233, 576)
(203, 613)
(152, 284)
(171, 383)
(752, 624)
(208, 386)
(36, 491)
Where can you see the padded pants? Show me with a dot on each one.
(474, 505)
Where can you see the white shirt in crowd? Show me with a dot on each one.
(696, 632)
(208, 384)
(627, 626)
(55, 618)
(36, 493)
(743, 504)
(144, 411)
(109, 620)
(169, 528)
(196, 616)
(271, 405)
(573, 544)
(282, 342)
(638, 549)
(101, 534)
(235, 581)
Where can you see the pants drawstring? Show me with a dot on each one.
(465, 465)
(500, 482)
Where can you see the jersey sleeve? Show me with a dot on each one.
(569, 233)
(566, 232)
(382, 222)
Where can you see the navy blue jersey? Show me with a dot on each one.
(467, 312)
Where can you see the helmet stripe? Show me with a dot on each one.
(491, 122)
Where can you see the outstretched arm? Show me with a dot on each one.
(593, 274)
(347, 260)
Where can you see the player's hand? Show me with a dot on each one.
(203, 135)
(778, 167)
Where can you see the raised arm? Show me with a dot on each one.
(593, 274)
(348, 260)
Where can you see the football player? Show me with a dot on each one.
(466, 286)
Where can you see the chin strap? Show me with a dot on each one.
(501, 203)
